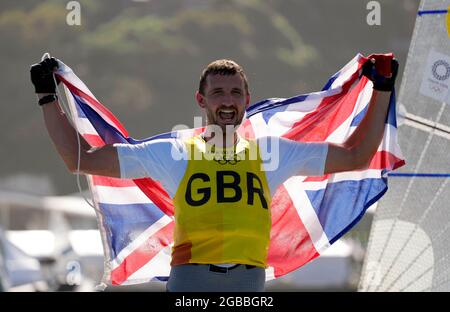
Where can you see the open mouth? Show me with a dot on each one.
(227, 114)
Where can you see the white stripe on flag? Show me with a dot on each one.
(85, 127)
(136, 242)
(121, 195)
(158, 266)
(306, 213)
(346, 72)
(70, 76)
(389, 142)
(270, 273)
(259, 126)
(282, 122)
(342, 176)
(344, 130)
(311, 102)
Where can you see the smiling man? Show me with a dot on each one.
(221, 188)
(223, 94)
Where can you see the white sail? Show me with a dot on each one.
(409, 244)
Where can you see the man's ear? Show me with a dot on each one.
(247, 100)
(200, 99)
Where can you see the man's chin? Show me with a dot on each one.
(229, 127)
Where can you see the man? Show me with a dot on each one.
(219, 182)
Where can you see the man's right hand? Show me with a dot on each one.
(42, 76)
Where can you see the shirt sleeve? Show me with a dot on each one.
(163, 160)
(283, 158)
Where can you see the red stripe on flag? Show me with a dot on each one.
(289, 238)
(198, 131)
(93, 140)
(381, 160)
(246, 130)
(331, 113)
(384, 159)
(157, 194)
(317, 179)
(143, 254)
(114, 182)
(96, 104)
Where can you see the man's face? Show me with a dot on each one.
(225, 100)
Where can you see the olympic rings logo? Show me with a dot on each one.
(438, 64)
(225, 160)
(435, 89)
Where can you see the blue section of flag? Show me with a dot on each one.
(108, 133)
(391, 117)
(271, 106)
(343, 201)
(127, 222)
(392, 114)
(359, 117)
(78, 102)
(330, 82)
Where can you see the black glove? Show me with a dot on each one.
(380, 82)
(42, 76)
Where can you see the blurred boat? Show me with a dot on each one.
(16, 267)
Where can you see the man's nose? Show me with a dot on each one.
(227, 100)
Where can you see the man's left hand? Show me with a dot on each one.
(377, 69)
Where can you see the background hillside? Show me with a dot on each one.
(143, 59)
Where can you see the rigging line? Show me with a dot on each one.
(417, 279)
(411, 182)
(408, 267)
(429, 245)
(426, 12)
(432, 238)
(421, 175)
(426, 126)
(427, 123)
(444, 280)
(416, 225)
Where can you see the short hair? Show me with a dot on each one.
(222, 67)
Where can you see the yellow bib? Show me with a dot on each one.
(222, 206)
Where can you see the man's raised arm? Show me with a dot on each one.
(357, 151)
(97, 161)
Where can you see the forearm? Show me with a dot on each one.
(63, 135)
(368, 135)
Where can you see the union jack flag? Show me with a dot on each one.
(135, 216)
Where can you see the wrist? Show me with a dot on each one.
(49, 98)
(41, 95)
(381, 91)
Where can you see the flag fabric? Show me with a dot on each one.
(135, 216)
